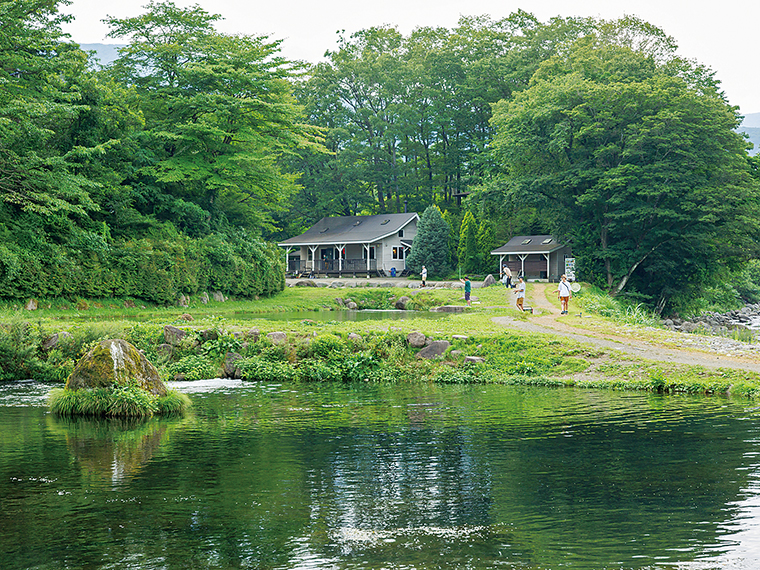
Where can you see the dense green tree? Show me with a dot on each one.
(468, 252)
(431, 245)
(486, 243)
(37, 102)
(454, 222)
(634, 153)
(219, 112)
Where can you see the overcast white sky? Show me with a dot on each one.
(723, 35)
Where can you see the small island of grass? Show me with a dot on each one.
(115, 380)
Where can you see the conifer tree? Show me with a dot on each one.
(486, 243)
(453, 222)
(468, 244)
(431, 244)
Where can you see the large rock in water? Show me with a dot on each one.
(115, 361)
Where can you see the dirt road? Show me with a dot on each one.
(549, 320)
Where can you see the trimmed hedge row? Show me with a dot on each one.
(154, 270)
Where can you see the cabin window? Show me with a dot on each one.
(371, 252)
(401, 233)
(398, 253)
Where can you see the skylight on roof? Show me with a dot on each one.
(357, 223)
(384, 222)
(324, 230)
(547, 240)
(526, 241)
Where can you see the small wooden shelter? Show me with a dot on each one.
(534, 257)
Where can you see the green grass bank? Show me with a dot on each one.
(230, 338)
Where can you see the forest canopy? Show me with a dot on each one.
(172, 169)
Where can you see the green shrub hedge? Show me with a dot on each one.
(155, 270)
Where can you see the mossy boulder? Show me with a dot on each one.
(115, 362)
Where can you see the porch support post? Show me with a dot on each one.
(340, 247)
(366, 249)
(522, 264)
(548, 272)
(287, 253)
(313, 249)
(501, 262)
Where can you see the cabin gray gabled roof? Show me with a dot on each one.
(352, 229)
(535, 244)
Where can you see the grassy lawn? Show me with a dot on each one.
(321, 350)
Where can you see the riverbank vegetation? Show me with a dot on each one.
(230, 339)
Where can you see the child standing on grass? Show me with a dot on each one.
(564, 292)
(520, 292)
(467, 289)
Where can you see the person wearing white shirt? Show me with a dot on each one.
(506, 276)
(564, 292)
(520, 292)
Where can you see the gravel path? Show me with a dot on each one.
(707, 351)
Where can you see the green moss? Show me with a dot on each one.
(98, 369)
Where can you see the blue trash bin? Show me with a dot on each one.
(393, 271)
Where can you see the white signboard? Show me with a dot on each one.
(570, 268)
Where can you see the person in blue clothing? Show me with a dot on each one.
(467, 289)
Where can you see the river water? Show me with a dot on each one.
(366, 476)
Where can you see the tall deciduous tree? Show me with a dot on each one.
(219, 109)
(634, 152)
(38, 103)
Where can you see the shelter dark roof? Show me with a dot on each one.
(529, 244)
(352, 229)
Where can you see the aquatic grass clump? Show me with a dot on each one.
(263, 370)
(173, 404)
(192, 367)
(116, 402)
(317, 371)
(131, 402)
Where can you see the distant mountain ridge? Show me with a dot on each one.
(751, 127)
(751, 120)
(106, 53)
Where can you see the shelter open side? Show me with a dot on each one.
(534, 257)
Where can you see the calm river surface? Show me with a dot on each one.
(393, 477)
